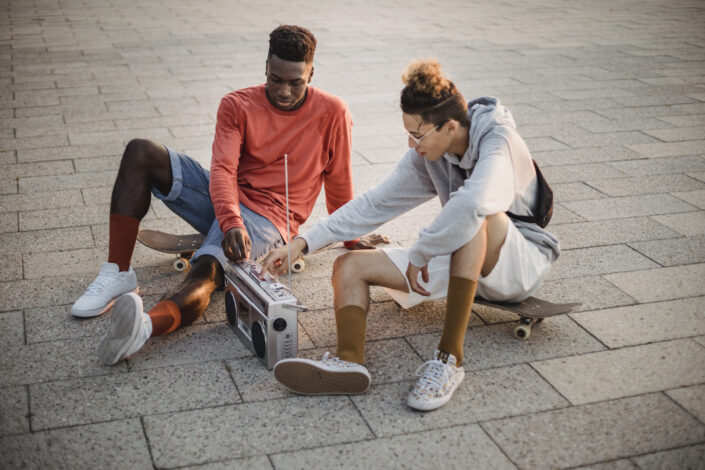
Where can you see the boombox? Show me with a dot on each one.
(262, 311)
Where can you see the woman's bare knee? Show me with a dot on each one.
(371, 267)
(346, 266)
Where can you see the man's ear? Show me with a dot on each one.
(310, 75)
(266, 67)
(452, 126)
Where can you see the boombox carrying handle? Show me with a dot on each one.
(301, 308)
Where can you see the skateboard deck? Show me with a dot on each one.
(184, 246)
(181, 245)
(170, 243)
(531, 312)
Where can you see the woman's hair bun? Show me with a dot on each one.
(424, 77)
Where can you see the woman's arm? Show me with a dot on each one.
(405, 188)
(489, 190)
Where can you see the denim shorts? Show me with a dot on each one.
(189, 198)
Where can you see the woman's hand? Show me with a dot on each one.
(369, 242)
(277, 260)
(412, 274)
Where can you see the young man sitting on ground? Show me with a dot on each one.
(240, 205)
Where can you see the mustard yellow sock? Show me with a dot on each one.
(351, 323)
(461, 293)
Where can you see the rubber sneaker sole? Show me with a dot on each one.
(124, 328)
(310, 378)
(100, 310)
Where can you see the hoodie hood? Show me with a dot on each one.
(485, 114)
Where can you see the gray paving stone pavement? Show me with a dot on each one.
(685, 457)
(593, 433)
(611, 101)
(690, 398)
(625, 372)
(645, 323)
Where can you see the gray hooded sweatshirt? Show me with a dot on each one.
(494, 175)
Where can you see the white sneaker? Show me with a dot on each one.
(102, 292)
(329, 376)
(129, 329)
(437, 382)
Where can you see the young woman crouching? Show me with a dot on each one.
(472, 158)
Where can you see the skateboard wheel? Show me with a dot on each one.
(298, 265)
(181, 264)
(522, 332)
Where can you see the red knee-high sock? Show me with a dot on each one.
(166, 317)
(123, 235)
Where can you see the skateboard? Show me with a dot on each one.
(531, 312)
(183, 246)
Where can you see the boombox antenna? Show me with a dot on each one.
(288, 232)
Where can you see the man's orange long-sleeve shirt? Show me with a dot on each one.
(251, 138)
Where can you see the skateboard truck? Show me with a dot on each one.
(531, 311)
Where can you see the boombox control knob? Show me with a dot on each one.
(279, 324)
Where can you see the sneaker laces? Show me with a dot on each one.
(100, 283)
(331, 360)
(434, 374)
(335, 361)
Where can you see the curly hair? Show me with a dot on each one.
(293, 43)
(431, 94)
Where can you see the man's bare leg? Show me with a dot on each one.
(185, 304)
(144, 164)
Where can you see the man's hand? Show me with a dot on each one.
(277, 260)
(368, 242)
(412, 274)
(236, 244)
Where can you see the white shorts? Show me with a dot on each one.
(518, 273)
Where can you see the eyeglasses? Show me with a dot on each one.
(417, 140)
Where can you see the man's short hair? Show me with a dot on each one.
(292, 43)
